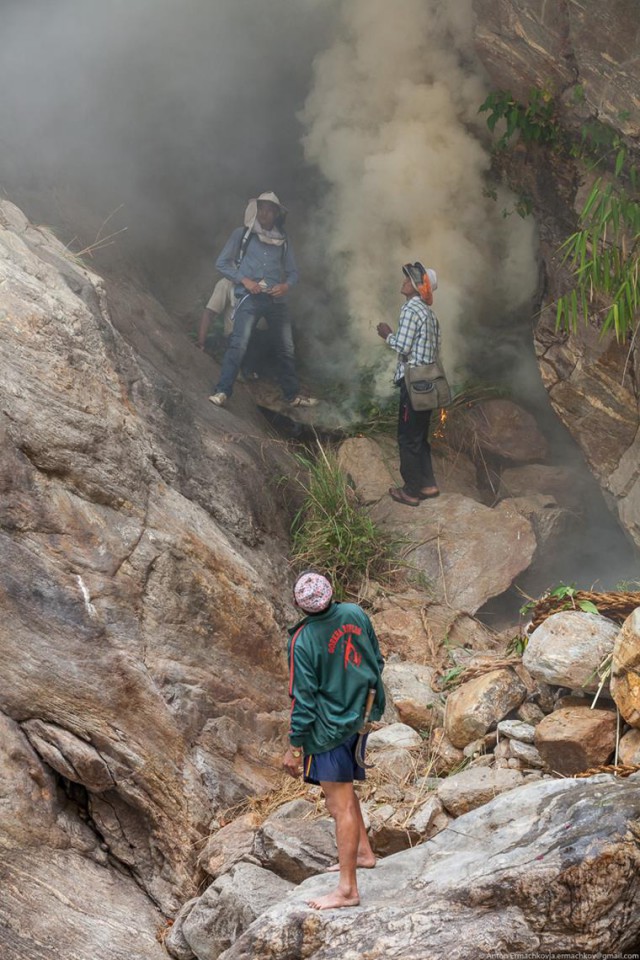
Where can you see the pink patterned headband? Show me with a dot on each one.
(312, 592)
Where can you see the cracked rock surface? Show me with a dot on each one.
(140, 601)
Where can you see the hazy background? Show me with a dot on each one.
(173, 112)
(167, 115)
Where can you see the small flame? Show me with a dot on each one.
(438, 433)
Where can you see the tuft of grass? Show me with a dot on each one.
(332, 533)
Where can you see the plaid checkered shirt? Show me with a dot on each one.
(418, 338)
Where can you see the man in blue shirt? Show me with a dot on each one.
(258, 259)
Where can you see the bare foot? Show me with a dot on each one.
(363, 864)
(331, 901)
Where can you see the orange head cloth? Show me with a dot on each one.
(425, 291)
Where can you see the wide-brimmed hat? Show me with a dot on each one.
(271, 197)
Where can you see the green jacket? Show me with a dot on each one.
(334, 660)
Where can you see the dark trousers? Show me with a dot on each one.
(249, 310)
(414, 447)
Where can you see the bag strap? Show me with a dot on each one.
(244, 243)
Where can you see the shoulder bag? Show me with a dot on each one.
(427, 385)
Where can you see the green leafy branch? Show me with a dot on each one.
(565, 592)
(534, 121)
(605, 256)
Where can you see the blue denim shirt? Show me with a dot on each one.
(261, 261)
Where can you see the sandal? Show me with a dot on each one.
(401, 496)
(428, 496)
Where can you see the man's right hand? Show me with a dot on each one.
(251, 286)
(291, 763)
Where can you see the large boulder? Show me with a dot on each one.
(229, 906)
(502, 429)
(416, 628)
(452, 538)
(510, 876)
(569, 648)
(370, 472)
(471, 788)
(230, 844)
(478, 705)
(575, 739)
(296, 849)
(409, 687)
(629, 752)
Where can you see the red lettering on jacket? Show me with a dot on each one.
(351, 655)
(340, 632)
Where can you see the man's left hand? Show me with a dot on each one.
(292, 765)
(383, 330)
(279, 290)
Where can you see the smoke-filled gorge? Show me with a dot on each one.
(150, 538)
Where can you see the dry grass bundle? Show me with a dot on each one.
(446, 680)
(616, 606)
(618, 770)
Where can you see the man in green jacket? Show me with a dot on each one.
(334, 660)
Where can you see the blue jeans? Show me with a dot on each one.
(249, 310)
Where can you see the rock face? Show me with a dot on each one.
(585, 55)
(57, 887)
(525, 44)
(506, 877)
(139, 592)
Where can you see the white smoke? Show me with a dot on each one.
(392, 124)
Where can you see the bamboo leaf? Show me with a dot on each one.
(591, 199)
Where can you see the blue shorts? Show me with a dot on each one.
(335, 766)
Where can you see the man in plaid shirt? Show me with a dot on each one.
(416, 342)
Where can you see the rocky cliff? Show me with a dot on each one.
(141, 583)
(586, 57)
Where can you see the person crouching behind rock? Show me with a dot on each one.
(334, 661)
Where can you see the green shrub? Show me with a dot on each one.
(535, 121)
(333, 534)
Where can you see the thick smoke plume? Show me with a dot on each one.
(172, 112)
(361, 114)
(392, 124)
